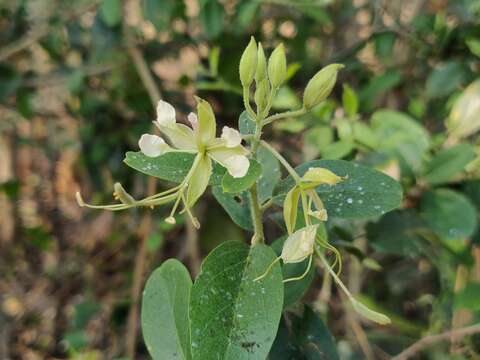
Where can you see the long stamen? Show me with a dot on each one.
(304, 274)
(194, 220)
(268, 269)
(113, 207)
(357, 305)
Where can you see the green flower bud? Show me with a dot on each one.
(248, 63)
(261, 94)
(261, 72)
(321, 85)
(277, 66)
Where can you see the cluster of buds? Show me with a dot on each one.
(199, 139)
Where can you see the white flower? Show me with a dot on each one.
(237, 165)
(193, 119)
(152, 145)
(165, 113)
(231, 136)
(299, 245)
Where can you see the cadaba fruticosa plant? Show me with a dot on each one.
(233, 308)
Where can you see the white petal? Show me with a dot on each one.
(231, 136)
(193, 119)
(165, 113)
(237, 165)
(299, 245)
(152, 145)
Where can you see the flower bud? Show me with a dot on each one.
(318, 176)
(321, 85)
(299, 245)
(261, 72)
(261, 94)
(248, 63)
(277, 66)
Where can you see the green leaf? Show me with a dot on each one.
(111, 12)
(349, 101)
(395, 233)
(160, 12)
(337, 149)
(236, 205)
(445, 79)
(379, 85)
(463, 120)
(449, 214)
(211, 17)
(313, 337)
(237, 185)
(246, 125)
(165, 324)
(172, 166)
(364, 193)
(270, 174)
(233, 317)
(293, 290)
(401, 136)
(448, 163)
(468, 297)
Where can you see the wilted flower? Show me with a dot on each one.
(299, 245)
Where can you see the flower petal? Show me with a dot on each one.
(180, 136)
(231, 136)
(193, 119)
(299, 245)
(206, 122)
(152, 145)
(199, 180)
(165, 114)
(237, 165)
(233, 159)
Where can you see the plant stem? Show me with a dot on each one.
(246, 103)
(258, 236)
(282, 160)
(285, 114)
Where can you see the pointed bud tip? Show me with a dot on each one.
(79, 199)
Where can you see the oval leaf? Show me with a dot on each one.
(172, 166)
(233, 317)
(236, 185)
(449, 214)
(364, 193)
(236, 205)
(165, 324)
(448, 163)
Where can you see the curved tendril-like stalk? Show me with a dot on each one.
(268, 269)
(304, 274)
(338, 257)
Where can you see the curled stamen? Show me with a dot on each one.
(304, 274)
(268, 269)
(121, 194)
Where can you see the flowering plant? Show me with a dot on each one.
(233, 308)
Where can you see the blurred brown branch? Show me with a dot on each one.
(432, 339)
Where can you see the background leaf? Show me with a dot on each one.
(449, 214)
(447, 163)
(165, 324)
(236, 205)
(233, 317)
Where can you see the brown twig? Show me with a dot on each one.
(432, 339)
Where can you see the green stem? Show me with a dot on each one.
(258, 237)
(246, 103)
(282, 160)
(285, 114)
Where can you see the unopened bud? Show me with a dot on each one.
(321, 85)
(261, 72)
(319, 214)
(277, 66)
(248, 63)
(261, 94)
